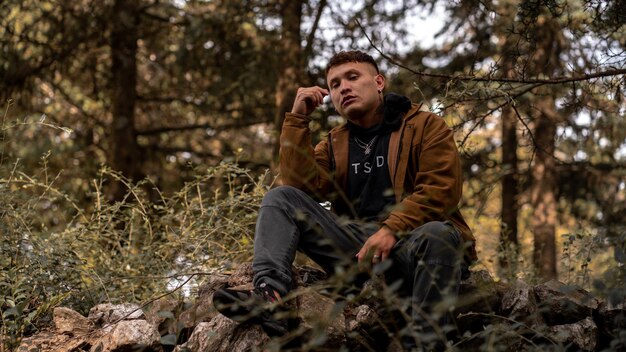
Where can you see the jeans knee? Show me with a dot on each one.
(441, 231)
(279, 195)
(437, 242)
(434, 228)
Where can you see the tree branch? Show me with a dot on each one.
(311, 37)
(510, 100)
(173, 150)
(216, 128)
(556, 80)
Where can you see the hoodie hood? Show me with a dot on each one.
(394, 107)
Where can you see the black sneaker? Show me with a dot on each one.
(257, 306)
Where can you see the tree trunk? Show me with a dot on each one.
(510, 190)
(290, 52)
(125, 155)
(549, 42)
(510, 207)
(543, 196)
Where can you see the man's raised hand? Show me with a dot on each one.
(308, 99)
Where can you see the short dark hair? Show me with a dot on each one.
(350, 56)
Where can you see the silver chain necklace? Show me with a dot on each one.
(367, 147)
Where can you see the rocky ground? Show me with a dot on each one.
(489, 316)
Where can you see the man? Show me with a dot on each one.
(393, 176)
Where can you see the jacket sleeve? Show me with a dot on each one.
(437, 185)
(301, 165)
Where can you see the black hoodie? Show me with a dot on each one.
(369, 183)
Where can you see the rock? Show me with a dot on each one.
(507, 323)
(564, 304)
(223, 334)
(477, 281)
(162, 314)
(68, 321)
(395, 346)
(107, 314)
(363, 316)
(212, 283)
(322, 318)
(488, 312)
(306, 276)
(477, 294)
(48, 341)
(482, 300)
(364, 331)
(197, 339)
(518, 303)
(611, 321)
(480, 293)
(480, 281)
(129, 335)
(584, 334)
(242, 276)
(202, 309)
(503, 335)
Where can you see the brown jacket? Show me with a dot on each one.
(424, 166)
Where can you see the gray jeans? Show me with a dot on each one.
(427, 259)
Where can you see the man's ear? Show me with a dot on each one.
(380, 82)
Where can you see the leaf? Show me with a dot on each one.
(165, 314)
(169, 340)
(381, 267)
(10, 312)
(31, 316)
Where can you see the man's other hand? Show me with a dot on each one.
(308, 99)
(378, 246)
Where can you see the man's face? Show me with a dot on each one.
(354, 89)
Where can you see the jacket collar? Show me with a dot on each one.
(399, 149)
(339, 138)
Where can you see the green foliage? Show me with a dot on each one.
(578, 249)
(24, 303)
(55, 250)
(207, 75)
